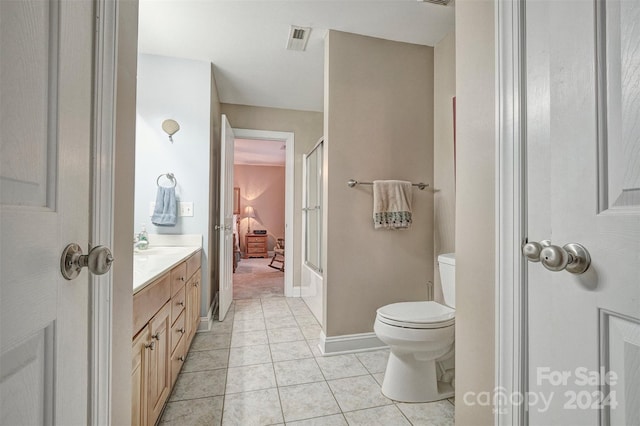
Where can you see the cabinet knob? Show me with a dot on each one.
(150, 345)
(181, 330)
(182, 279)
(156, 336)
(180, 303)
(181, 358)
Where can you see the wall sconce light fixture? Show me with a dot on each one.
(170, 127)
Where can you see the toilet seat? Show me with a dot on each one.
(417, 315)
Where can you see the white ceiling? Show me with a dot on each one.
(246, 40)
(259, 152)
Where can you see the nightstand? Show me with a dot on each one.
(255, 246)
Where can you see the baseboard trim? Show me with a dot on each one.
(349, 343)
(206, 323)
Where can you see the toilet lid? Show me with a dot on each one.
(417, 314)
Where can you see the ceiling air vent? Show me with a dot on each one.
(440, 2)
(298, 38)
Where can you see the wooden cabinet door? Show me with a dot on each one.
(140, 351)
(188, 311)
(193, 306)
(159, 363)
(195, 319)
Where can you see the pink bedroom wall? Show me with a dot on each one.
(263, 188)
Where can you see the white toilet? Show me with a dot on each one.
(421, 338)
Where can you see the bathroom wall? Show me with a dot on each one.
(443, 153)
(263, 188)
(307, 127)
(378, 125)
(123, 208)
(179, 89)
(475, 212)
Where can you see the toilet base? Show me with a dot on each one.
(410, 380)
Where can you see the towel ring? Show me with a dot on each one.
(169, 176)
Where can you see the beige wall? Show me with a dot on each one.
(443, 153)
(475, 200)
(378, 125)
(214, 199)
(307, 128)
(263, 188)
(123, 196)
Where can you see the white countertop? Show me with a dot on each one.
(151, 263)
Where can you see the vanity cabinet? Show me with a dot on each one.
(166, 314)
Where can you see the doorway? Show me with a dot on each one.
(263, 222)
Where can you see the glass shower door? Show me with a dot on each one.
(312, 277)
(312, 209)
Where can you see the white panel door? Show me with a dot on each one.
(45, 122)
(225, 263)
(583, 185)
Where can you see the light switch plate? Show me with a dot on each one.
(186, 209)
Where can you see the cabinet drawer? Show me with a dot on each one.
(177, 304)
(178, 277)
(259, 246)
(194, 263)
(177, 360)
(149, 300)
(177, 331)
(255, 239)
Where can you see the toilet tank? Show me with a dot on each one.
(447, 267)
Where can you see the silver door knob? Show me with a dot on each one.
(532, 250)
(572, 257)
(72, 261)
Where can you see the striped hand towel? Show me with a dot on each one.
(391, 204)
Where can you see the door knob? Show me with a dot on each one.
(573, 257)
(72, 261)
(532, 250)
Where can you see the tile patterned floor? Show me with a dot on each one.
(261, 366)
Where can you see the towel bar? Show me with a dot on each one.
(353, 182)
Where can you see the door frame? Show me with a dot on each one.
(102, 201)
(511, 320)
(289, 139)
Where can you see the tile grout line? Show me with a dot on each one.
(224, 396)
(273, 367)
(395, 403)
(327, 383)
